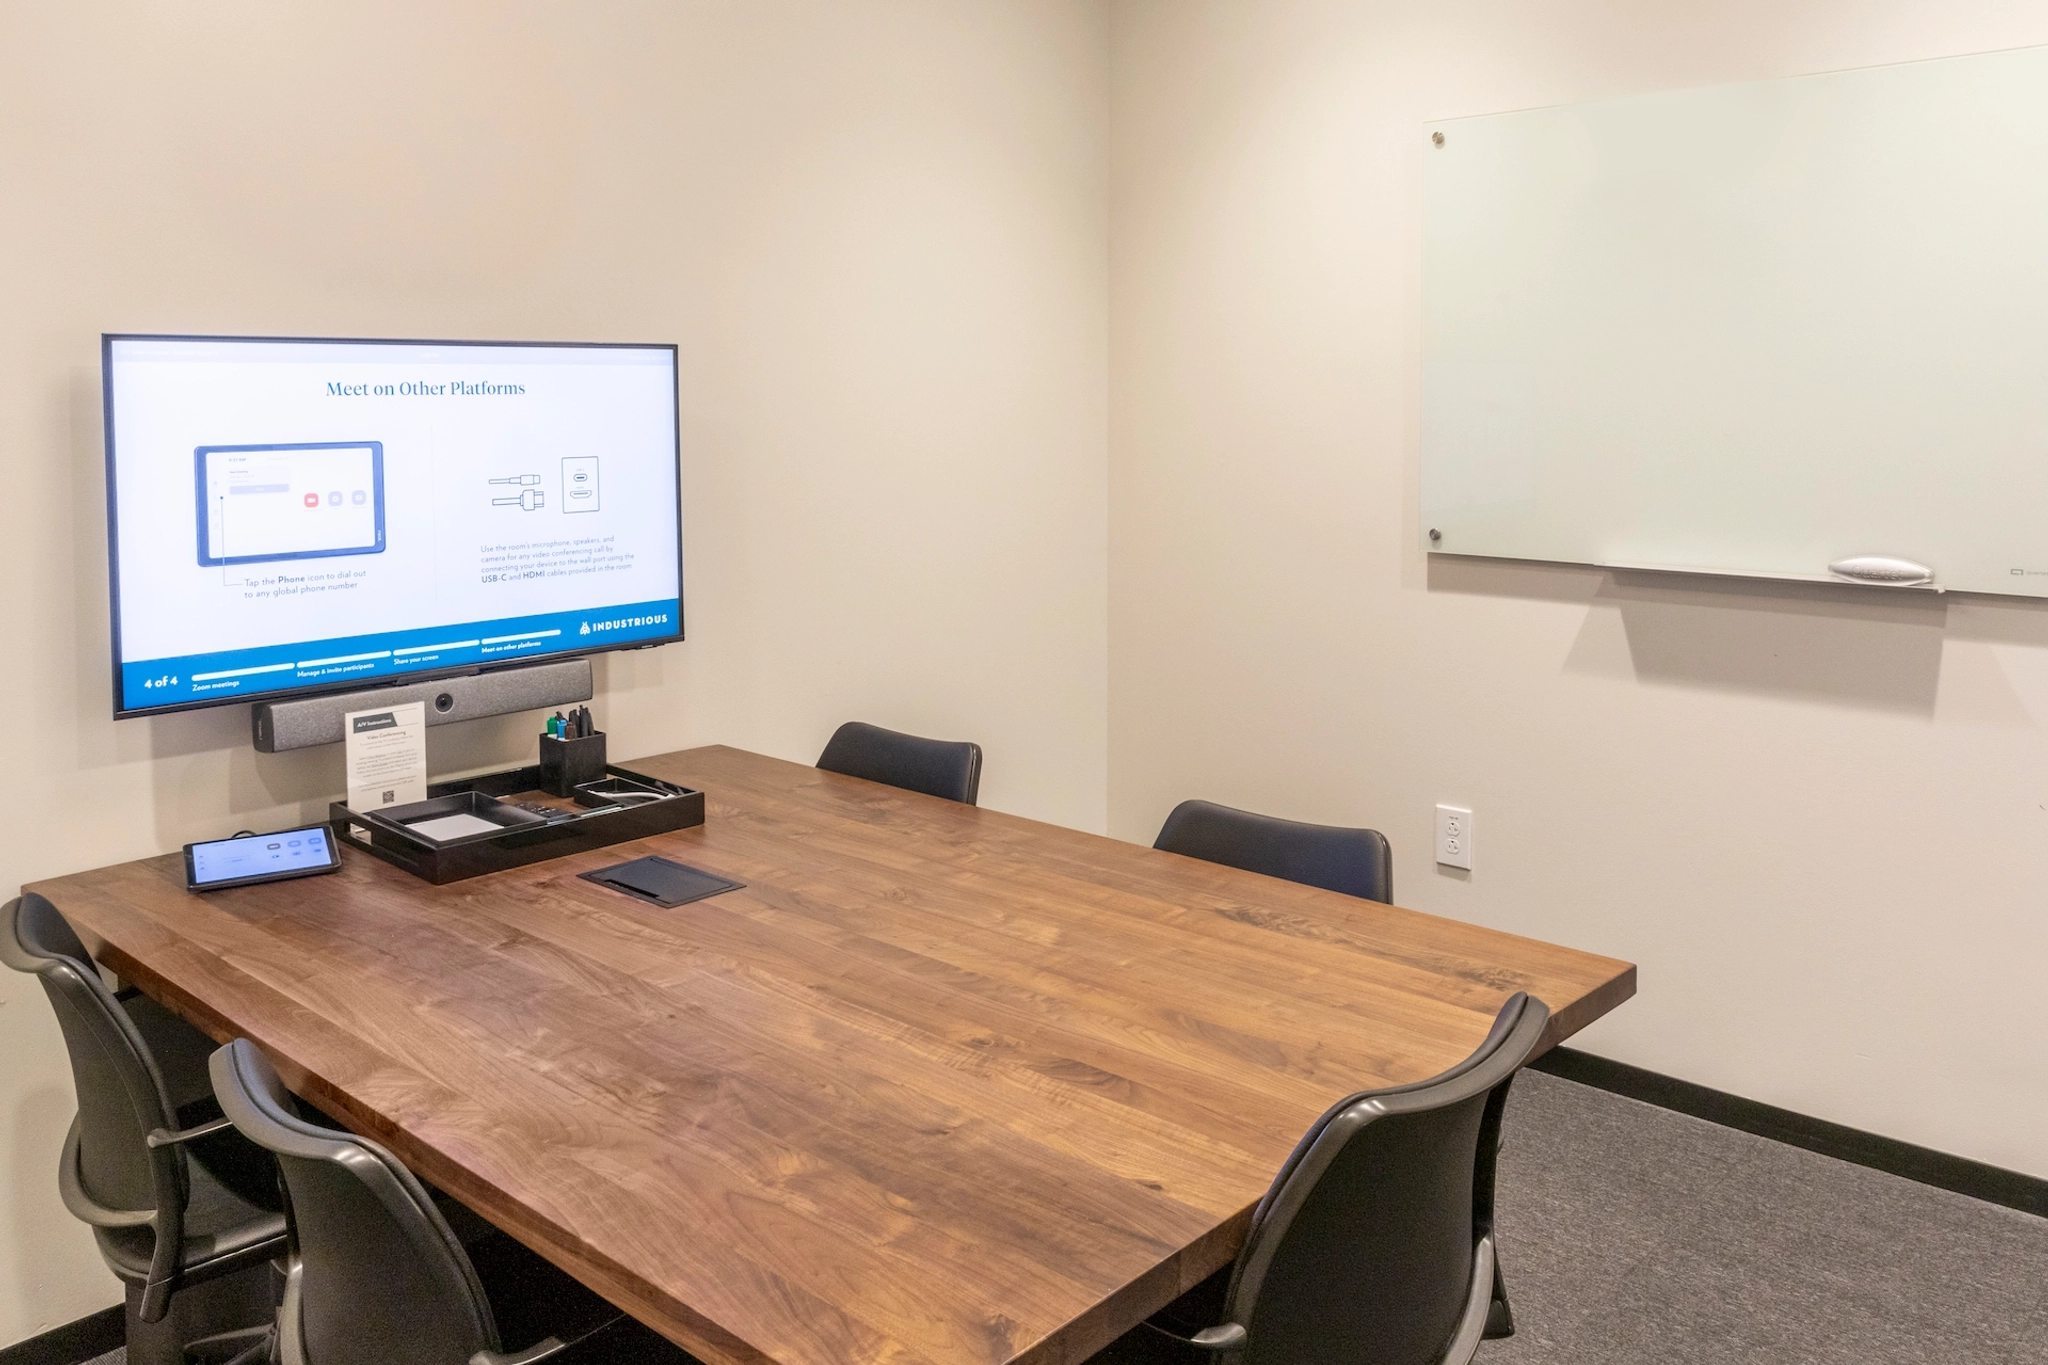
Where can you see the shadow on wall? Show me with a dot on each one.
(192, 748)
(42, 1115)
(192, 753)
(1872, 648)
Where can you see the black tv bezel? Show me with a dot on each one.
(107, 340)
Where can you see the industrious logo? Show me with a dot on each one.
(623, 623)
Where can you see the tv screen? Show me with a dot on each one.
(290, 516)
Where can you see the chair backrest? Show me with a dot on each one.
(1367, 1245)
(936, 767)
(377, 1277)
(121, 1095)
(1357, 862)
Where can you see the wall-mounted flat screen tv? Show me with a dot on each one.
(294, 516)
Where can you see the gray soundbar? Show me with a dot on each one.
(279, 725)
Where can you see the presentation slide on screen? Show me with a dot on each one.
(297, 514)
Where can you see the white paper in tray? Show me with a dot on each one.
(458, 826)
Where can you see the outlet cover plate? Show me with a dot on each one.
(1454, 836)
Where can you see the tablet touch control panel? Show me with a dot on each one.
(263, 855)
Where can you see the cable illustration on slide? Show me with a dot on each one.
(529, 498)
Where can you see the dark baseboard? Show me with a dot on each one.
(1992, 1184)
(72, 1343)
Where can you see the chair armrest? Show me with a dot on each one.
(542, 1349)
(1227, 1336)
(164, 1137)
(83, 1206)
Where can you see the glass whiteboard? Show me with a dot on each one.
(1752, 329)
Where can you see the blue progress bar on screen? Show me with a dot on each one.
(148, 683)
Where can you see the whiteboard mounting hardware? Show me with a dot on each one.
(1882, 569)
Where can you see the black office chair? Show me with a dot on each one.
(375, 1275)
(1374, 1245)
(936, 767)
(177, 1211)
(1357, 862)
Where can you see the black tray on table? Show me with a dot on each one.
(467, 828)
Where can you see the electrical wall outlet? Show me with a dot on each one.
(1454, 837)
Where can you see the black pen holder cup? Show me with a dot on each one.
(566, 764)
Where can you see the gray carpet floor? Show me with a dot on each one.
(1632, 1235)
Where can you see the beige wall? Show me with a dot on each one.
(877, 232)
(1818, 819)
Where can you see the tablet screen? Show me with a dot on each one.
(264, 855)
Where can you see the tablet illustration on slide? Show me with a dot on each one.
(301, 501)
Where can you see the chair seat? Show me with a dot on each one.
(223, 1232)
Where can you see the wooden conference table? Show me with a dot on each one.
(939, 1085)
